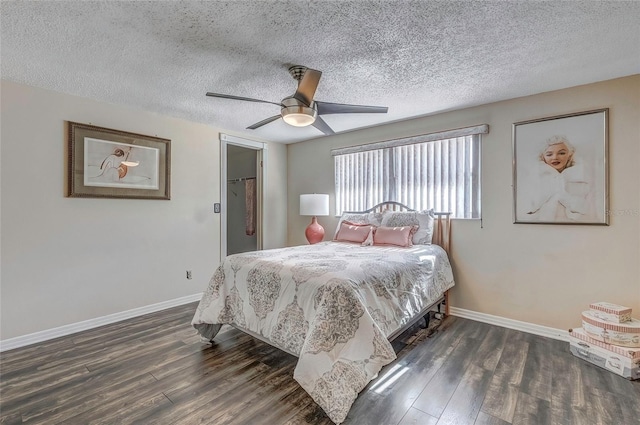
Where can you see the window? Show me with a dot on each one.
(439, 171)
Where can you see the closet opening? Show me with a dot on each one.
(242, 182)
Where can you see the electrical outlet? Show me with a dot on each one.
(188, 274)
(216, 207)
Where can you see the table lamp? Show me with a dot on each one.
(314, 205)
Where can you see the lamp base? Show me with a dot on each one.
(314, 231)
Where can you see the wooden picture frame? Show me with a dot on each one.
(108, 163)
(560, 170)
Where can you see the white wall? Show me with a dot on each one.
(541, 274)
(275, 197)
(67, 260)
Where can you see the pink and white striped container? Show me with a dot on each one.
(609, 312)
(623, 334)
(623, 361)
(632, 353)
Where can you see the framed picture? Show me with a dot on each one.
(107, 163)
(560, 172)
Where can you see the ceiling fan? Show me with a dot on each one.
(300, 109)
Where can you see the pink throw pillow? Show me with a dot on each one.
(397, 236)
(353, 232)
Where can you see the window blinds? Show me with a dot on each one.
(441, 174)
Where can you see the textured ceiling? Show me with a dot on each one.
(416, 57)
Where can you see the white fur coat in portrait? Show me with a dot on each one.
(546, 195)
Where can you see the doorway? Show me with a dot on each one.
(242, 195)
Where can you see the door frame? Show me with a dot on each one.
(261, 180)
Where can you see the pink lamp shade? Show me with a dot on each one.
(314, 205)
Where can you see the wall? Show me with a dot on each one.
(541, 274)
(275, 197)
(67, 260)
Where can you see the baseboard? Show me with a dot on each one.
(531, 328)
(21, 341)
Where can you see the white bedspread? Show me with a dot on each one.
(332, 304)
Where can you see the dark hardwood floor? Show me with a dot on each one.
(154, 370)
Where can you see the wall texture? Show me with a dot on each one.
(67, 260)
(541, 274)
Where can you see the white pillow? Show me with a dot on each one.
(423, 219)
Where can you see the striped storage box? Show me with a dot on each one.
(611, 312)
(632, 353)
(623, 334)
(621, 361)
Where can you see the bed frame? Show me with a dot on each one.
(441, 237)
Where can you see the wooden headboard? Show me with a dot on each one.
(442, 225)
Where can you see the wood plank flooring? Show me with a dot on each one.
(154, 370)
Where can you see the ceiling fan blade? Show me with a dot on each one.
(248, 99)
(321, 125)
(325, 108)
(263, 122)
(307, 86)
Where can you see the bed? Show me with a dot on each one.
(337, 304)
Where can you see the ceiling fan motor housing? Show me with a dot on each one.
(297, 113)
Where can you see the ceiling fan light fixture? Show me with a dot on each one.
(299, 115)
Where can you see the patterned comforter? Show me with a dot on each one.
(331, 304)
